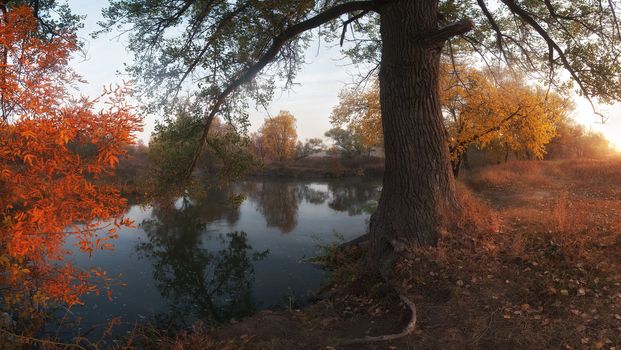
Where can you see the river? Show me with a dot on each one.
(201, 257)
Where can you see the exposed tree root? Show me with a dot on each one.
(385, 272)
(409, 328)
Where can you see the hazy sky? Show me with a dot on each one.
(310, 101)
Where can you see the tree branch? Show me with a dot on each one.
(441, 35)
(277, 43)
(346, 23)
(526, 17)
(476, 137)
(494, 25)
(226, 20)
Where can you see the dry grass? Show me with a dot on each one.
(549, 278)
(511, 175)
(475, 214)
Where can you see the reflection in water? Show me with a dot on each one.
(312, 195)
(353, 198)
(278, 201)
(202, 257)
(204, 276)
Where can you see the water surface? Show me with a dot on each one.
(201, 257)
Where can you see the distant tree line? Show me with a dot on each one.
(491, 116)
(573, 140)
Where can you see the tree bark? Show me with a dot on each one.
(418, 187)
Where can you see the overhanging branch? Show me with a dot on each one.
(277, 43)
(552, 45)
(494, 24)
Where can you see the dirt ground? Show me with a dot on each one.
(534, 264)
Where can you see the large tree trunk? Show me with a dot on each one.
(419, 188)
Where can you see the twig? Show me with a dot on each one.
(346, 23)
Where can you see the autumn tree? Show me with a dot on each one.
(258, 147)
(221, 47)
(279, 136)
(53, 153)
(481, 107)
(359, 112)
(484, 107)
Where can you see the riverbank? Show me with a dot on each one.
(533, 264)
(322, 168)
(133, 178)
(523, 270)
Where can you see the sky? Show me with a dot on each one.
(310, 101)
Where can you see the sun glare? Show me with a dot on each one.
(612, 132)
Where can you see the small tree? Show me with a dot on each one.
(360, 113)
(175, 139)
(279, 136)
(257, 146)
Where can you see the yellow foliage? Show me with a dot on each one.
(485, 107)
(360, 112)
(279, 136)
(480, 108)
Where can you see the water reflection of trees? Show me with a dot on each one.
(355, 198)
(311, 195)
(204, 275)
(279, 201)
(206, 204)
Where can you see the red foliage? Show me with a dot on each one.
(53, 151)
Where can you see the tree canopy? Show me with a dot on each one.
(173, 142)
(481, 108)
(220, 46)
(485, 107)
(348, 142)
(359, 111)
